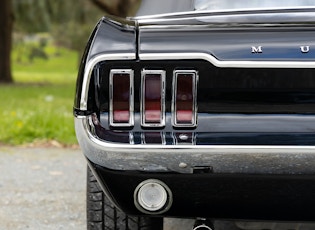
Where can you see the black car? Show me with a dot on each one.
(202, 110)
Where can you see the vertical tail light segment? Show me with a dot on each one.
(184, 100)
(121, 98)
(184, 106)
(153, 98)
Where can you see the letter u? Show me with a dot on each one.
(305, 49)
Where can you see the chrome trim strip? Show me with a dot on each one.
(194, 93)
(89, 69)
(142, 138)
(226, 64)
(131, 97)
(192, 14)
(144, 72)
(131, 138)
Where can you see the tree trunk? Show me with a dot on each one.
(6, 22)
(120, 8)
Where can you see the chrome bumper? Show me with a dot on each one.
(248, 159)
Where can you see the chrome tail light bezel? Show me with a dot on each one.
(161, 122)
(195, 77)
(130, 122)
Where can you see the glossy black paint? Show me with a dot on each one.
(278, 44)
(231, 35)
(79, 85)
(258, 197)
(114, 37)
(109, 36)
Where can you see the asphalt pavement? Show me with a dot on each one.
(42, 188)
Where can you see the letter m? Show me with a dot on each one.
(257, 49)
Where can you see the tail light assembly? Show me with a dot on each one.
(121, 106)
(153, 98)
(184, 103)
(152, 92)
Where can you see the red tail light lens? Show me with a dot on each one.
(184, 106)
(153, 98)
(121, 98)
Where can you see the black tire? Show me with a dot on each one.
(102, 215)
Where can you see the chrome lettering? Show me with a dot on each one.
(257, 49)
(305, 49)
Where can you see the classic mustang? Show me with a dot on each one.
(203, 110)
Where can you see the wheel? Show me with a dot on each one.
(102, 215)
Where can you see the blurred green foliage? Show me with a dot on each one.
(33, 16)
(49, 37)
(69, 22)
(38, 107)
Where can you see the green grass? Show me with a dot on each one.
(60, 67)
(38, 107)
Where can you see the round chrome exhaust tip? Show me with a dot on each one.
(202, 227)
(203, 224)
(153, 197)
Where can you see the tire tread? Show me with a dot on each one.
(102, 215)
